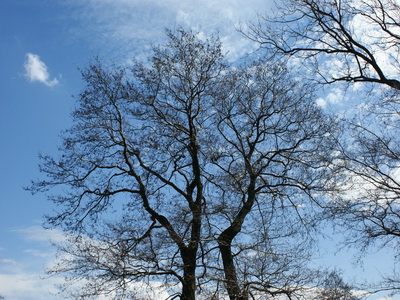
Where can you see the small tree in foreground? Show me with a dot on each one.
(189, 174)
(334, 288)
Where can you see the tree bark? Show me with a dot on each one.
(225, 244)
(231, 280)
(189, 274)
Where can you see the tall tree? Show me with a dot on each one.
(274, 144)
(173, 164)
(353, 41)
(135, 146)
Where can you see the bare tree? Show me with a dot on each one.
(134, 148)
(368, 205)
(334, 288)
(177, 163)
(353, 41)
(273, 149)
(374, 160)
(341, 40)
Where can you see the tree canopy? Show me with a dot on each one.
(192, 174)
(188, 176)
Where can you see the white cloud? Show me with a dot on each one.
(130, 27)
(40, 234)
(335, 95)
(23, 278)
(24, 285)
(36, 70)
(22, 273)
(321, 102)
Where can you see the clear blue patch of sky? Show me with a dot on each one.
(31, 113)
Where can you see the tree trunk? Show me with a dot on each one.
(189, 274)
(189, 286)
(225, 242)
(231, 280)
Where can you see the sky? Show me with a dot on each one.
(43, 45)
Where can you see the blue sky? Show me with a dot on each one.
(43, 43)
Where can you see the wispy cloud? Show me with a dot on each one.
(22, 273)
(39, 234)
(36, 70)
(133, 26)
(23, 284)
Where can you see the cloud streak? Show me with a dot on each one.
(36, 70)
(131, 27)
(22, 274)
(39, 234)
(26, 285)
